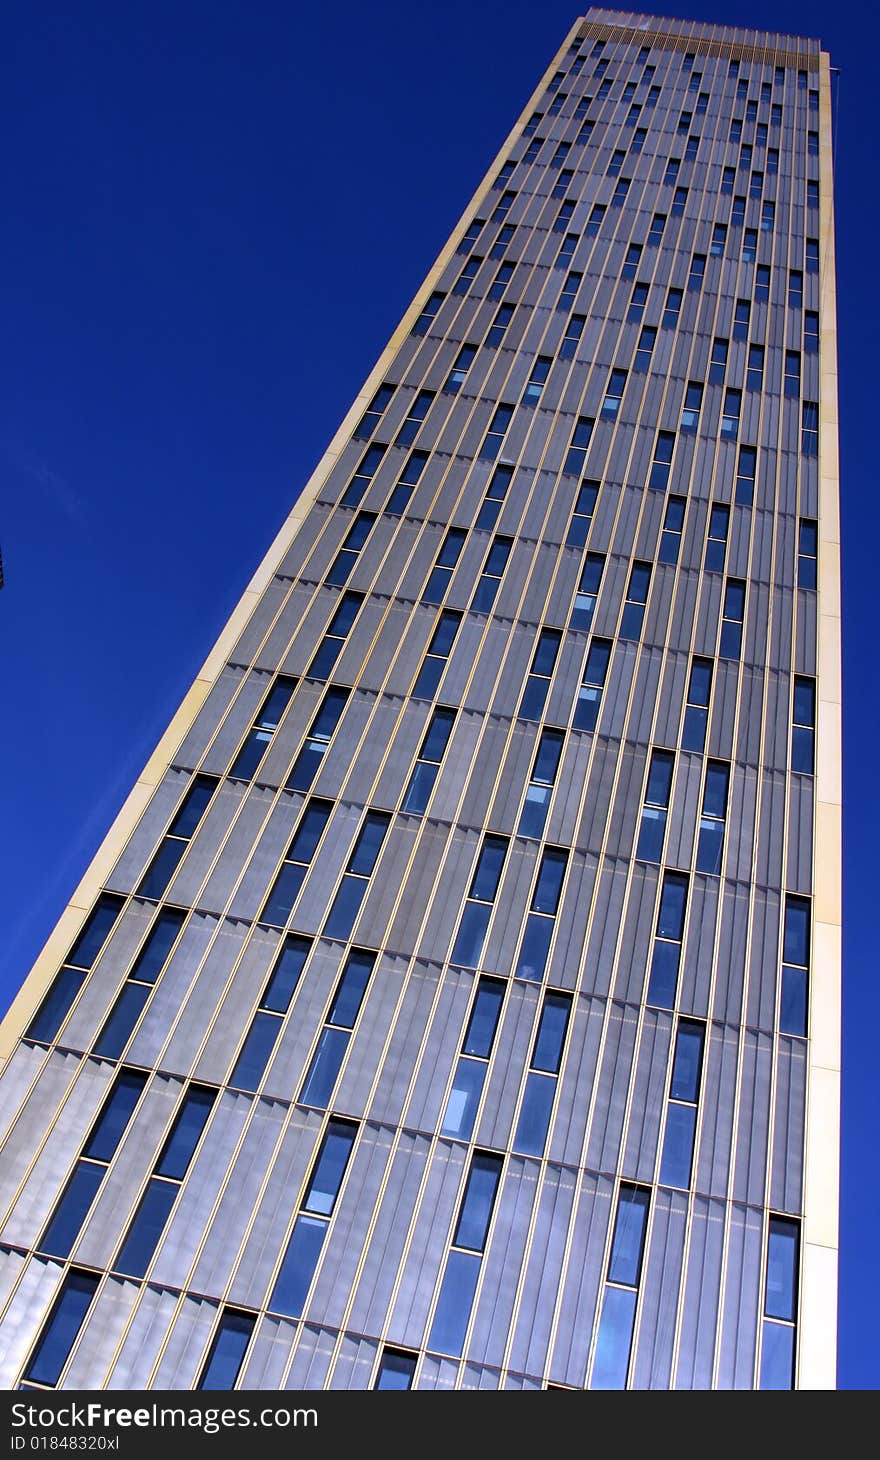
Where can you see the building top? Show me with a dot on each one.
(740, 42)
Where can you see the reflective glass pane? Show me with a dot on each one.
(160, 940)
(298, 1267)
(793, 1004)
(117, 1030)
(191, 1121)
(551, 1033)
(464, 1097)
(534, 1116)
(308, 833)
(56, 1005)
(324, 1069)
(629, 1235)
(613, 1341)
(162, 867)
(70, 1213)
(306, 766)
(670, 920)
(285, 975)
(396, 1370)
(93, 936)
(693, 735)
(780, 1300)
(534, 812)
(346, 906)
(62, 1328)
(454, 1304)
(532, 960)
(710, 847)
(489, 867)
(652, 831)
(478, 1201)
(664, 974)
(549, 884)
(678, 1145)
(484, 1017)
(115, 1115)
(330, 1167)
(284, 894)
(351, 988)
(258, 1046)
(227, 1351)
(777, 1356)
(688, 1061)
(146, 1228)
(251, 754)
(194, 806)
(471, 934)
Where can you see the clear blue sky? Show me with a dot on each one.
(213, 217)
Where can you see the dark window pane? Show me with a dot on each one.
(471, 934)
(178, 1149)
(396, 1370)
(308, 833)
(664, 975)
(688, 1061)
(484, 1017)
(652, 831)
(115, 1115)
(351, 988)
(660, 778)
(346, 906)
(551, 1033)
(478, 1201)
(678, 1145)
(93, 936)
(330, 1167)
(454, 1304)
(324, 1069)
(227, 1351)
(256, 1050)
(694, 732)
(285, 975)
(70, 1213)
(162, 867)
(276, 703)
(464, 1097)
(421, 784)
(532, 960)
(160, 940)
(56, 1005)
(710, 846)
(284, 894)
(489, 866)
(534, 698)
(549, 883)
(777, 1357)
(793, 1003)
(629, 1236)
(796, 944)
(306, 766)
(534, 1116)
(194, 806)
(437, 737)
(670, 922)
(298, 1267)
(251, 754)
(613, 1341)
(62, 1328)
(782, 1269)
(146, 1228)
(117, 1029)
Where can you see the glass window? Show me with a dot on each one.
(396, 1370)
(628, 1243)
(478, 1201)
(453, 1311)
(184, 1136)
(115, 1114)
(118, 1026)
(226, 1355)
(71, 1209)
(61, 1328)
(782, 1269)
(696, 715)
(146, 1227)
(484, 1017)
(808, 548)
(330, 1167)
(298, 1267)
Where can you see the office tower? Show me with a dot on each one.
(454, 1002)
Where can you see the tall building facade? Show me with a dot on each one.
(455, 1000)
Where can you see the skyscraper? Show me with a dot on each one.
(455, 1000)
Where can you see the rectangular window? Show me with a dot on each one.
(447, 558)
(768, 217)
(738, 212)
(792, 380)
(537, 684)
(352, 890)
(812, 255)
(719, 241)
(504, 175)
(638, 300)
(756, 185)
(535, 383)
(335, 1036)
(119, 1024)
(503, 239)
(716, 542)
(535, 947)
(495, 493)
(584, 604)
(762, 283)
(416, 415)
(430, 311)
(631, 262)
(812, 144)
(652, 825)
(597, 213)
(457, 375)
(366, 470)
(672, 309)
(343, 564)
(564, 216)
(500, 282)
(570, 288)
(541, 1080)
(692, 148)
(732, 619)
(710, 842)
(439, 649)
(532, 124)
(750, 245)
(776, 115)
(772, 162)
(812, 193)
(226, 1354)
(468, 946)
(585, 133)
(496, 431)
(427, 766)
(413, 467)
(467, 275)
(490, 578)
(613, 395)
(810, 428)
(684, 122)
(697, 271)
(560, 154)
(636, 597)
(374, 412)
(671, 173)
(795, 967)
(779, 1327)
(644, 350)
(746, 469)
(808, 551)
(761, 141)
(679, 202)
(540, 787)
(573, 331)
(557, 104)
(321, 731)
(577, 451)
(611, 1360)
(455, 1300)
(178, 836)
(755, 371)
(563, 184)
(62, 1328)
(673, 525)
(463, 1100)
(803, 720)
(566, 249)
(396, 1369)
(616, 163)
(150, 1218)
(285, 890)
(696, 714)
(655, 233)
(658, 479)
(503, 316)
(69, 980)
(811, 332)
(741, 319)
(259, 737)
(668, 936)
(718, 363)
(503, 208)
(681, 1108)
(620, 192)
(589, 696)
(265, 1028)
(727, 180)
(307, 1238)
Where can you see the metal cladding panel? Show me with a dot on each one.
(209, 718)
(168, 1009)
(383, 1253)
(420, 1269)
(661, 1285)
(355, 1363)
(644, 1126)
(108, 973)
(187, 1346)
(250, 1165)
(46, 1177)
(39, 1112)
(267, 1358)
(144, 839)
(276, 837)
(38, 1285)
(542, 1270)
(102, 1330)
(701, 1295)
(502, 1264)
(739, 1318)
(578, 1293)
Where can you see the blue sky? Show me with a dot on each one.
(214, 215)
